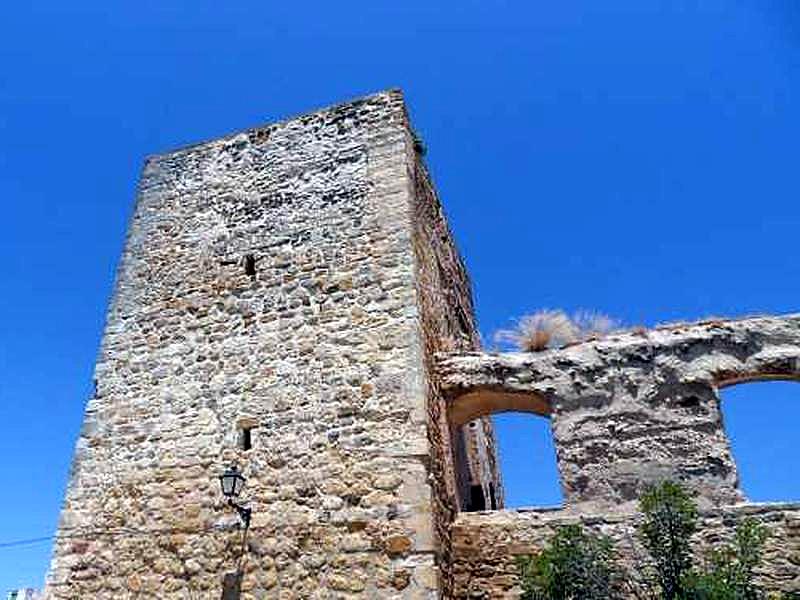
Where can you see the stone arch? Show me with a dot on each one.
(723, 381)
(654, 385)
(483, 402)
(753, 350)
(469, 406)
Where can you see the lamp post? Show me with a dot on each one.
(232, 482)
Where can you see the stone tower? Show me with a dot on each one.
(279, 302)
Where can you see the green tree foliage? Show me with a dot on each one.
(729, 572)
(575, 565)
(670, 519)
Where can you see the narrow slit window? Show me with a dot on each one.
(246, 438)
(477, 500)
(250, 265)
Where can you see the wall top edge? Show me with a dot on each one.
(388, 93)
(499, 517)
(661, 335)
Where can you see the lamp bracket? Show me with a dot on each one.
(244, 512)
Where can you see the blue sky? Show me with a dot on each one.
(635, 157)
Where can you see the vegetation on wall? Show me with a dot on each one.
(580, 565)
(575, 564)
(670, 519)
(554, 329)
(539, 331)
(729, 572)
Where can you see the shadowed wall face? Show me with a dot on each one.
(267, 313)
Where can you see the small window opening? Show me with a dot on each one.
(246, 438)
(250, 265)
(477, 501)
(232, 586)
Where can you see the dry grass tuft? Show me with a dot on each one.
(593, 324)
(539, 331)
(554, 329)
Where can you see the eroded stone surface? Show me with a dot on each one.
(634, 408)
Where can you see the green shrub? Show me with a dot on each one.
(575, 565)
(729, 572)
(670, 519)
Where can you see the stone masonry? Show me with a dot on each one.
(635, 408)
(626, 411)
(290, 299)
(293, 281)
(486, 544)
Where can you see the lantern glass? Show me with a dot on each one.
(232, 482)
(238, 484)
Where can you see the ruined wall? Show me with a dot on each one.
(627, 411)
(634, 408)
(486, 544)
(270, 281)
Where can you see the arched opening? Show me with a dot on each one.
(482, 402)
(762, 420)
(527, 460)
(523, 442)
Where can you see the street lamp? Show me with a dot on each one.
(232, 483)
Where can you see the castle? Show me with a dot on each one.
(290, 300)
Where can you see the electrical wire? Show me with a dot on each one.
(28, 542)
(118, 532)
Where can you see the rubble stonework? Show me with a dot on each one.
(635, 408)
(296, 285)
(626, 411)
(278, 280)
(486, 544)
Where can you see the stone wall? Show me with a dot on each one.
(634, 408)
(290, 299)
(626, 411)
(272, 282)
(486, 545)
